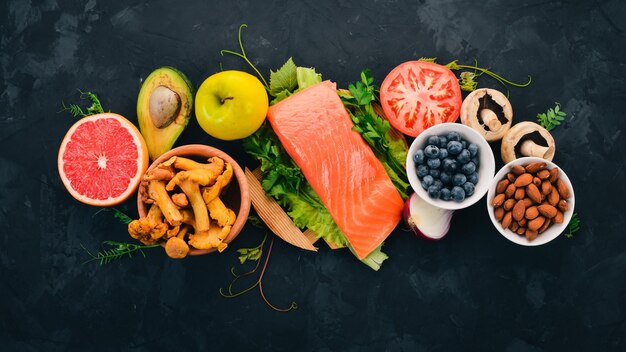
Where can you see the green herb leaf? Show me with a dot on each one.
(117, 250)
(256, 221)
(573, 226)
(428, 59)
(77, 111)
(307, 77)
(551, 118)
(284, 78)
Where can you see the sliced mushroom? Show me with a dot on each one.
(487, 111)
(527, 139)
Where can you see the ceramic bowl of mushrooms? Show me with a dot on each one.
(193, 200)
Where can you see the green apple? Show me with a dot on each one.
(231, 105)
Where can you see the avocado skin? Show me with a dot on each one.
(160, 140)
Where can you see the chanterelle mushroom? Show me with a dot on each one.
(214, 238)
(149, 228)
(157, 192)
(487, 111)
(527, 139)
(176, 248)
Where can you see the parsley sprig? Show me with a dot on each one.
(551, 118)
(573, 227)
(76, 111)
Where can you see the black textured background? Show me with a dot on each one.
(472, 291)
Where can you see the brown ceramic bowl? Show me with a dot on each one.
(235, 197)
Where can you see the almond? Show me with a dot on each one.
(553, 198)
(535, 167)
(508, 204)
(543, 174)
(523, 180)
(517, 169)
(522, 222)
(506, 220)
(510, 190)
(558, 219)
(514, 226)
(545, 226)
(519, 194)
(533, 193)
(498, 213)
(546, 187)
(547, 210)
(537, 181)
(554, 174)
(497, 200)
(511, 177)
(536, 223)
(519, 210)
(531, 234)
(501, 187)
(563, 205)
(520, 231)
(531, 213)
(528, 202)
(562, 188)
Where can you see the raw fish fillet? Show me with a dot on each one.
(315, 129)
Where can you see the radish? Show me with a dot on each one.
(426, 221)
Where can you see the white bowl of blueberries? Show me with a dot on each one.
(450, 166)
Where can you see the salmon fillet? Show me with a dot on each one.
(315, 129)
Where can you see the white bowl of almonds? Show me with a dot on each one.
(530, 201)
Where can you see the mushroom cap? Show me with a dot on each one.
(471, 110)
(176, 248)
(524, 131)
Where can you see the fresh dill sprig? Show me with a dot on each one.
(117, 250)
(118, 214)
(574, 226)
(76, 111)
(551, 118)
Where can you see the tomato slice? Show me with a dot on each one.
(416, 95)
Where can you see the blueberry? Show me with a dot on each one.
(475, 161)
(453, 136)
(468, 187)
(431, 151)
(422, 170)
(464, 143)
(445, 177)
(473, 149)
(450, 165)
(443, 141)
(433, 163)
(444, 194)
(433, 140)
(433, 192)
(468, 168)
(473, 178)
(443, 153)
(458, 194)
(418, 157)
(427, 181)
(454, 147)
(434, 173)
(438, 184)
(464, 156)
(458, 179)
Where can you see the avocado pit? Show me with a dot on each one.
(164, 106)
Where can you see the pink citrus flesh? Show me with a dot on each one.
(102, 159)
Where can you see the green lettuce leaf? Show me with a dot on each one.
(283, 79)
(307, 77)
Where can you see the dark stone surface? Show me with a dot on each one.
(472, 291)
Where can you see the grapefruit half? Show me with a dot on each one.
(102, 159)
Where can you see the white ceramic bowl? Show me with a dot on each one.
(555, 229)
(486, 168)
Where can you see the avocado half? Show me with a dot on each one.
(164, 108)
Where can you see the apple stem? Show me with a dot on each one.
(223, 100)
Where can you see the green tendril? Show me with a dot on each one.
(243, 56)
